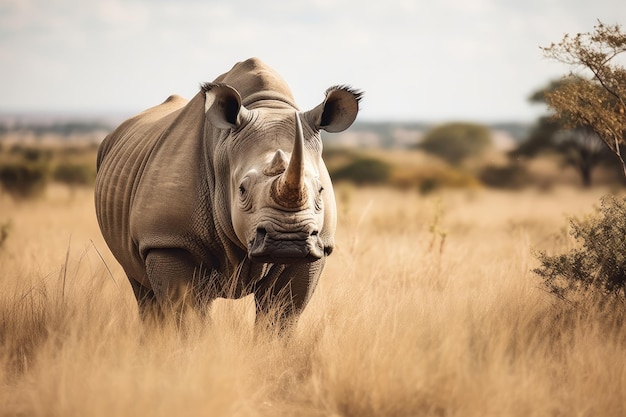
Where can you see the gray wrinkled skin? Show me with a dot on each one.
(223, 195)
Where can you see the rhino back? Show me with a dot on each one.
(149, 172)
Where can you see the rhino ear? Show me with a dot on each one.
(222, 106)
(338, 111)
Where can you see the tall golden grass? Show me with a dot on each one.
(427, 307)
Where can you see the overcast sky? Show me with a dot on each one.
(416, 60)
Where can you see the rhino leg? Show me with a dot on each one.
(282, 295)
(146, 299)
(171, 273)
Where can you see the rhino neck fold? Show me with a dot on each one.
(268, 100)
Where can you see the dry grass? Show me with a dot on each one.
(427, 307)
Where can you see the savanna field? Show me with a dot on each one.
(428, 306)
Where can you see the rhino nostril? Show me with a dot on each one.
(259, 238)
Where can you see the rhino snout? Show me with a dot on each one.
(285, 247)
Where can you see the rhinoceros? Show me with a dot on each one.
(224, 195)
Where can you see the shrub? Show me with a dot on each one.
(432, 178)
(599, 266)
(363, 171)
(514, 176)
(74, 174)
(31, 154)
(24, 179)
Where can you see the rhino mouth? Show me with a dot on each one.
(270, 246)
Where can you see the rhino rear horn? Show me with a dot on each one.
(338, 110)
(222, 106)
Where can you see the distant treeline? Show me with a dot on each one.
(68, 128)
(385, 131)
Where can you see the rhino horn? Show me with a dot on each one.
(278, 165)
(289, 190)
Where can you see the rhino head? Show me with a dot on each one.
(281, 200)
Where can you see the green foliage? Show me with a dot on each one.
(363, 170)
(74, 174)
(454, 142)
(24, 179)
(599, 265)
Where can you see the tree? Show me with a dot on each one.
(454, 142)
(580, 146)
(597, 100)
(582, 149)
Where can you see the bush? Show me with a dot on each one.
(24, 179)
(31, 154)
(599, 266)
(514, 176)
(432, 179)
(363, 171)
(74, 174)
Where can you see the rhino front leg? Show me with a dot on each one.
(171, 274)
(146, 300)
(285, 291)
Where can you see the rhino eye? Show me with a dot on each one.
(243, 186)
(245, 196)
(245, 199)
(318, 198)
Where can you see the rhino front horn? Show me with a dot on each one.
(288, 190)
